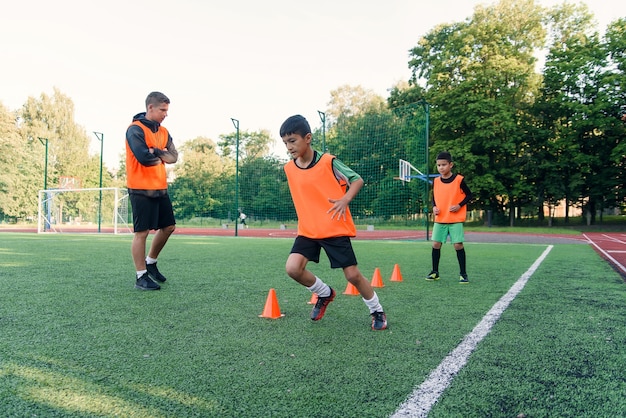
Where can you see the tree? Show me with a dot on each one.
(52, 118)
(201, 178)
(252, 145)
(581, 107)
(347, 101)
(480, 80)
(615, 82)
(47, 120)
(21, 173)
(264, 190)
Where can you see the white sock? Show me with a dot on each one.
(320, 288)
(373, 304)
(141, 273)
(150, 260)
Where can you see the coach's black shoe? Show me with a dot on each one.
(432, 276)
(146, 283)
(154, 273)
(463, 279)
(379, 321)
(320, 306)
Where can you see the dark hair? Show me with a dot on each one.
(295, 124)
(156, 98)
(444, 155)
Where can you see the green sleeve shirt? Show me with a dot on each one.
(341, 170)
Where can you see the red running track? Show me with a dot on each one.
(612, 247)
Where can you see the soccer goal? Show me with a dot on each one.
(83, 210)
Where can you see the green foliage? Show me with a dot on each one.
(370, 143)
(581, 106)
(21, 175)
(480, 78)
(522, 141)
(44, 129)
(264, 190)
(203, 180)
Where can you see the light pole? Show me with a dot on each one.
(100, 137)
(236, 123)
(427, 140)
(323, 118)
(44, 142)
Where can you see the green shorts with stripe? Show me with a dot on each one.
(441, 232)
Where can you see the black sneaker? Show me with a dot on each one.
(320, 306)
(154, 273)
(433, 276)
(379, 321)
(146, 283)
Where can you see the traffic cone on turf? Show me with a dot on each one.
(396, 276)
(377, 280)
(271, 310)
(313, 299)
(351, 290)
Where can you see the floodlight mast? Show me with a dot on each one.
(323, 118)
(236, 124)
(100, 137)
(44, 142)
(428, 201)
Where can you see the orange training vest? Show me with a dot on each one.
(310, 190)
(446, 195)
(143, 177)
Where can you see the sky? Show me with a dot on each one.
(257, 62)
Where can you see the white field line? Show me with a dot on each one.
(610, 238)
(420, 402)
(607, 255)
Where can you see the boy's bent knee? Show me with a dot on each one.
(293, 270)
(353, 274)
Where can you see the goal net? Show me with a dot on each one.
(84, 210)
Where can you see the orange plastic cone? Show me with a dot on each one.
(396, 276)
(377, 280)
(351, 290)
(313, 299)
(271, 310)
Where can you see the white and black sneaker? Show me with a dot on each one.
(154, 273)
(146, 283)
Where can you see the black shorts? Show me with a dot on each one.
(338, 249)
(151, 212)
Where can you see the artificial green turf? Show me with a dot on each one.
(76, 339)
(559, 350)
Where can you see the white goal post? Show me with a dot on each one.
(103, 209)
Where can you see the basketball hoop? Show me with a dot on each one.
(406, 172)
(69, 182)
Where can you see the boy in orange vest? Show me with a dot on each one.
(450, 197)
(321, 188)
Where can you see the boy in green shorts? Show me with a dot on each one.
(450, 198)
